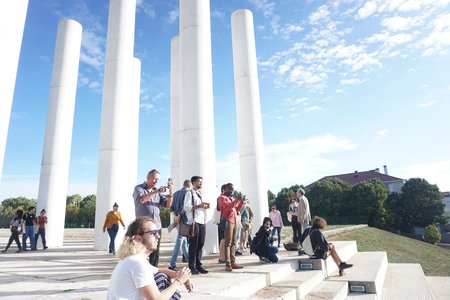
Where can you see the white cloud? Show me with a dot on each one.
(291, 162)
(313, 108)
(351, 81)
(367, 10)
(437, 172)
(147, 106)
(143, 6)
(382, 134)
(173, 16)
(427, 104)
(319, 15)
(399, 23)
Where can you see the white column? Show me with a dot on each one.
(58, 132)
(248, 108)
(197, 156)
(175, 120)
(112, 181)
(12, 22)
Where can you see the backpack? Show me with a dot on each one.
(253, 246)
(307, 245)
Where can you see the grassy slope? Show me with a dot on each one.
(435, 260)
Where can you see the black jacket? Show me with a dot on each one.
(261, 240)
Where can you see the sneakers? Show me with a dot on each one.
(173, 268)
(202, 270)
(237, 252)
(264, 260)
(344, 265)
(221, 261)
(4, 251)
(45, 247)
(194, 272)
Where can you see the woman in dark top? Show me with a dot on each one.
(320, 245)
(260, 244)
(16, 229)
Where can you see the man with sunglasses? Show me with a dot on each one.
(133, 277)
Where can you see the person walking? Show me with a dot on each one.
(277, 223)
(134, 278)
(41, 220)
(16, 229)
(111, 224)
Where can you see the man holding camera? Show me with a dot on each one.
(229, 209)
(195, 209)
(147, 201)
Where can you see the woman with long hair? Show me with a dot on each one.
(111, 224)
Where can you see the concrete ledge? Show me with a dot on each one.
(367, 274)
(333, 290)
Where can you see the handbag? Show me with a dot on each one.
(188, 230)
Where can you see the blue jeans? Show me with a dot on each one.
(29, 232)
(278, 230)
(112, 236)
(272, 254)
(180, 242)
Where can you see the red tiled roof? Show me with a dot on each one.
(357, 177)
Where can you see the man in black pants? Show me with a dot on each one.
(195, 209)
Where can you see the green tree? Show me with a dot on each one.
(367, 200)
(328, 199)
(74, 200)
(87, 211)
(421, 204)
(432, 234)
(393, 216)
(10, 205)
(282, 201)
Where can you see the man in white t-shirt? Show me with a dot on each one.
(133, 277)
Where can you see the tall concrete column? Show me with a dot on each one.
(197, 156)
(248, 108)
(58, 132)
(175, 120)
(112, 181)
(175, 113)
(12, 22)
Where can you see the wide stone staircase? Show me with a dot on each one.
(299, 277)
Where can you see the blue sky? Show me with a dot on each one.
(345, 85)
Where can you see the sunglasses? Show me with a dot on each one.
(155, 233)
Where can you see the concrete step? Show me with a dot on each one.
(367, 274)
(406, 281)
(333, 290)
(345, 249)
(361, 296)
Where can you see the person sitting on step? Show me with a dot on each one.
(322, 249)
(260, 244)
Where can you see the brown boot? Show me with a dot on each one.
(228, 267)
(236, 266)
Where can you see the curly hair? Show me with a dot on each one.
(130, 246)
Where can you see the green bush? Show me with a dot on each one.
(432, 234)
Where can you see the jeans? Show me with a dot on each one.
(271, 254)
(112, 236)
(278, 230)
(41, 231)
(29, 232)
(180, 242)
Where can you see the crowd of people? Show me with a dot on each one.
(30, 226)
(137, 275)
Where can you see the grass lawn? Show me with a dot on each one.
(435, 260)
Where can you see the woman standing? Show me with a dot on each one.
(41, 220)
(293, 212)
(16, 229)
(277, 223)
(112, 224)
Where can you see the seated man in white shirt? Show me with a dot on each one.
(134, 277)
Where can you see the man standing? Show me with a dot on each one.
(195, 209)
(133, 277)
(177, 209)
(229, 209)
(304, 215)
(147, 201)
(293, 212)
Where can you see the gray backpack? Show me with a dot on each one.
(307, 245)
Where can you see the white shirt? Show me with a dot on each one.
(129, 275)
(199, 213)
